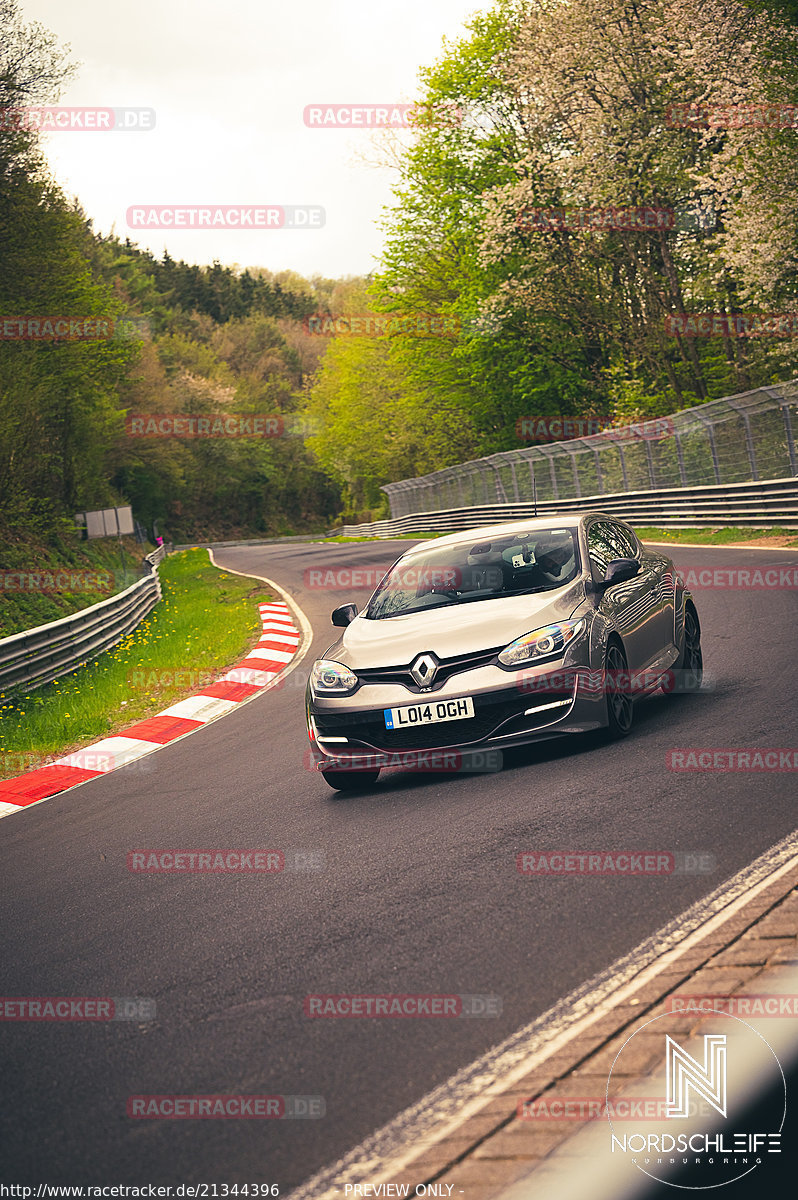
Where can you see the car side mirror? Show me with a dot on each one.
(620, 570)
(344, 615)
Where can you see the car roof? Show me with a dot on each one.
(532, 525)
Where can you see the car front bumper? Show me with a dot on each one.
(511, 708)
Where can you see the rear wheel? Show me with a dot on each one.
(689, 672)
(618, 692)
(349, 781)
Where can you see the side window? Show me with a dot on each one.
(600, 548)
(623, 541)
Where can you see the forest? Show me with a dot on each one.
(523, 275)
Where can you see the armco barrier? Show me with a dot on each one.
(752, 505)
(38, 656)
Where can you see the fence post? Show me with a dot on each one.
(713, 449)
(624, 472)
(599, 476)
(650, 461)
(555, 489)
(784, 403)
(749, 440)
(501, 495)
(680, 456)
(515, 479)
(577, 484)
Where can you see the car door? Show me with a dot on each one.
(663, 577)
(659, 570)
(633, 606)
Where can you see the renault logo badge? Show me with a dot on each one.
(423, 670)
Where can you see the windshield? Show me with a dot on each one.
(538, 561)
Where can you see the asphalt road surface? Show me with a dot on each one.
(420, 894)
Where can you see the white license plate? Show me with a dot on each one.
(428, 714)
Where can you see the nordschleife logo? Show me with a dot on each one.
(710, 1106)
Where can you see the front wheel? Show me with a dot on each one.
(618, 693)
(349, 781)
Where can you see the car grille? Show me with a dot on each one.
(446, 668)
(369, 727)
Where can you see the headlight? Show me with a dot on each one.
(541, 643)
(328, 678)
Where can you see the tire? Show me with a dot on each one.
(689, 671)
(620, 704)
(350, 781)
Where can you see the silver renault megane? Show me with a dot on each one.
(500, 636)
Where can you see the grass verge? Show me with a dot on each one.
(720, 537)
(35, 579)
(394, 537)
(206, 621)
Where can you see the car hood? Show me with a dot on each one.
(453, 630)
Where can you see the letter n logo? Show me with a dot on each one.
(708, 1081)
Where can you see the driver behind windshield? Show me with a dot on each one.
(554, 558)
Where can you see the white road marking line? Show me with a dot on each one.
(388, 1151)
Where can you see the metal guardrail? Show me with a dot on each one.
(749, 505)
(748, 437)
(38, 656)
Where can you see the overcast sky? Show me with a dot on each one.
(229, 82)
